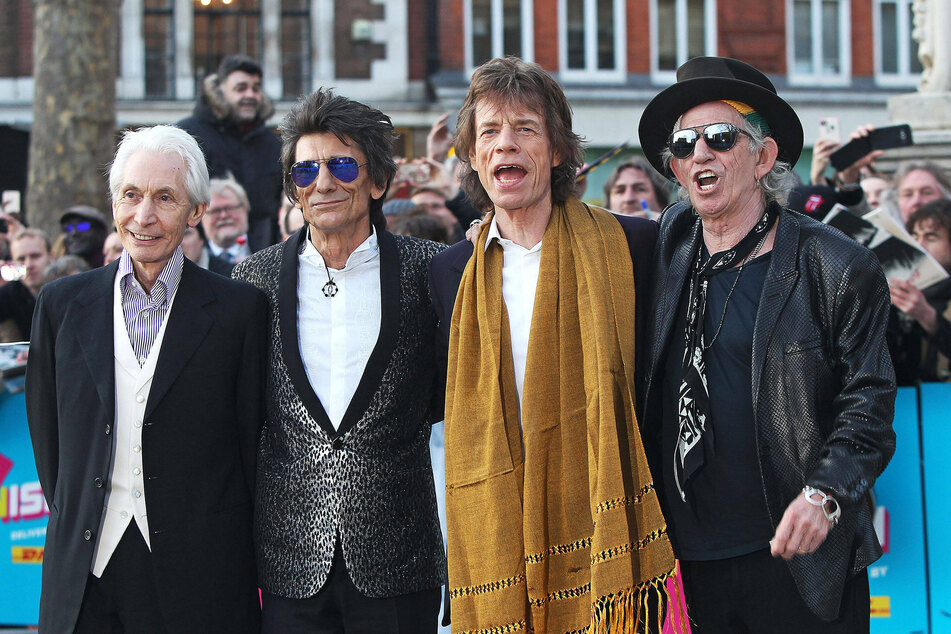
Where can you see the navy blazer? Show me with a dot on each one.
(446, 269)
(200, 437)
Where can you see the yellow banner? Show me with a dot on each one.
(27, 554)
(881, 607)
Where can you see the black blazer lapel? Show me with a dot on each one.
(290, 341)
(389, 329)
(95, 332)
(780, 279)
(188, 323)
(672, 287)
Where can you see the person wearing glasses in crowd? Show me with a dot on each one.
(84, 232)
(225, 224)
(553, 523)
(347, 530)
(770, 394)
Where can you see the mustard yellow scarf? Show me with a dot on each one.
(567, 535)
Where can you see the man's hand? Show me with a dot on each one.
(820, 159)
(438, 141)
(472, 233)
(802, 530)
(908, 299)
(851, 173)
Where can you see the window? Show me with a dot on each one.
(682, 29)
(896, 52)
(819, 44)
(159, 49)
(225, 29)
(295, 48)
(591, 43)
(495, 28)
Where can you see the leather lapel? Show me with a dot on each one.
(672, 289)
(188, 323)
(780, 279)
(389, 329)
(290, 340)
(95, 332)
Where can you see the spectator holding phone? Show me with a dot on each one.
(844, 187)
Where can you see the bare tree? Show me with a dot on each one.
(74, 106)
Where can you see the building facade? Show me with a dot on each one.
(413, 58)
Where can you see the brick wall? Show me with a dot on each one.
(451, 41)
(753, 31)
(352, 59)
(863, 39)
(638, 36)
(16, 38)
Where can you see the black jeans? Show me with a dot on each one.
(756, 594)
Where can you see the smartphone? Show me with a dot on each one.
(878, 139)
(829, 129)
(11, 201)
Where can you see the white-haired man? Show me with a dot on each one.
(143, 396)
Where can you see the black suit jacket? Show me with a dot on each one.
(200, 434)
(447, 267)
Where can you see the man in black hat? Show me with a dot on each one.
(229, 124)
(85, 230)
(770, 394)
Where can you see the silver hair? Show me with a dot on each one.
(164, 139)
(219, 185)
(775, 184)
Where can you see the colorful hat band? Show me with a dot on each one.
(755, 118)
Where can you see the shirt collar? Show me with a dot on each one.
(166, 284)
(237, 249)
(367, 250)
(504, 243)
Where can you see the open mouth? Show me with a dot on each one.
(506, 174)
(142, 238)
(706, 180)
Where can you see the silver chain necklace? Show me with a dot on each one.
(726, 304)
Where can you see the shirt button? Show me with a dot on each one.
(139, 399)
(123, 514)
(136, 448)
(98, 483)
(141, 360)
(136, 471)
(87, 534)
(137, 493)
(138, 424)
(108, 429)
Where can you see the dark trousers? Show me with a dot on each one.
(339, 607)
(756, 593)
(124, 600)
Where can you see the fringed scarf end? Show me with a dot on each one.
(639, 609)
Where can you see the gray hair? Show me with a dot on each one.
(218, 186)
(163, 139)
(940, 175)
(774, 184)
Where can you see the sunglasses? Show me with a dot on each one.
(81, 227)
(719, 137)
(344, 168)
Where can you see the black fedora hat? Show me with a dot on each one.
(705, 79)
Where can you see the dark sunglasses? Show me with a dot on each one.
(344, 168)
(719, 137)
(71, 227)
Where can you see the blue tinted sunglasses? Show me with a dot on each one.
(83, 226)
(344, 168)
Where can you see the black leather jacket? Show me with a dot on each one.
(823, 384)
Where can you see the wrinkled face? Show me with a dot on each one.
(721, 184)
(513, 156)
(192, 244)
(153, 209)
(243, 93)
(873, 188)
(632, 188)
(934, 239)
(226, 219)
(30, 253)
(917, 188)
(331, 205)
(111, 248)
(435, 206)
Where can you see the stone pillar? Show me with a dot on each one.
(184, 36)
(131, 80)
(271, 59)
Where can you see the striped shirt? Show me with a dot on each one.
(145, 312)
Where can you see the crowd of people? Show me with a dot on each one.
(695, 370)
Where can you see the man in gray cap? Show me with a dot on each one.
(769, 394)
(85, 230)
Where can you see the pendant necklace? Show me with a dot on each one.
(752, 256)
(330, 288)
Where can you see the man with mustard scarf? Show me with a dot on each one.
(553, 521)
